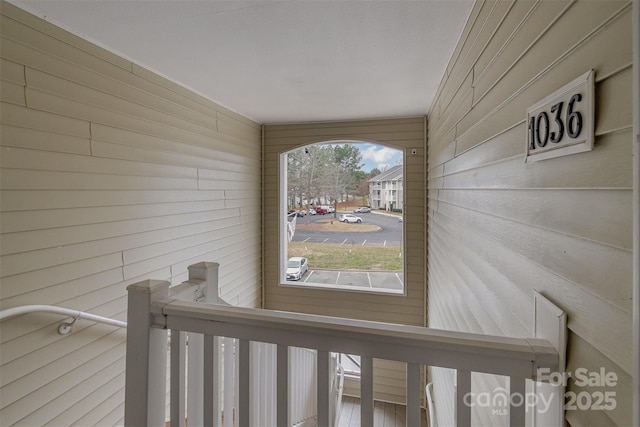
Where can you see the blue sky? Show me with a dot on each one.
(379, 156)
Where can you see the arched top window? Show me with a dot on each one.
(342, 217)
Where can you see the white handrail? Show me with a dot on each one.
(64, 327)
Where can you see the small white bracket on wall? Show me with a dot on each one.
(550, 323)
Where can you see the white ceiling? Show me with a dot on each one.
(281, 61)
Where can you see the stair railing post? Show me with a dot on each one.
(196, 406)
(207, 271)
(146, 362)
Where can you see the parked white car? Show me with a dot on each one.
(350, 218)
(296, 267)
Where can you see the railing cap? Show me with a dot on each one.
(148, 286)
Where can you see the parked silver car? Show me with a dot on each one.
(362, 209)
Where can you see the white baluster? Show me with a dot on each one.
(195, 379)
(413, 394)
(283, 413)
(211, 381)
(323, 389)
(244, 386)
(463, 386)
(366, 391)
(229, 382)
(517, 390)
(177, 392)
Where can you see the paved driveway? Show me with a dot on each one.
(390, 233)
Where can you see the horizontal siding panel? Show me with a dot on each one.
(68, 380)
(12, 136)
(450, 270)
(88, 333)
(464, 102)
(230, 185)
(146, 79)
(505, 32)
(465, 51)
(39, 160)
(577, 213)
(505, 145)
(87, 87)
(42, 278)
(524, 36)
(577, 260)
(233, 124)
(24, 261)
(42, 82)
(610, 160)
(16, 179)
(13, 29)
(105, 383)
(589, 315)
(220, 237)
(592, 360)
(54, 218)
(61, 292)
(508, 112)
(440, 155)
(615, 103)
(69, 108)
(215, 250)
(214, 150)
(14, 200)
(554, 42)
(32, 119)
(40, 239)
(128, 153)
(12, 93)
(12, 72)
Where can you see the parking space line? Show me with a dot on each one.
(365, 241)
(399, 279)
(337, 279)
(325, 240)
(369, 279)
(344, 241)
(307, 239)
(308, 276)
(385, 243)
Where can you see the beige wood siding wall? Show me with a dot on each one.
(110, 175)
(499, 228)
(404, 134)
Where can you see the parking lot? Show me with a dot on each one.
(371, 280)
(389, 234)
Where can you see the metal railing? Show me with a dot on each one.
(65, 327)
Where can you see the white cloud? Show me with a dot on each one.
(379, 155)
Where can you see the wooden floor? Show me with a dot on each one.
(384, 414)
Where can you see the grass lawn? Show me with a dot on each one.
(348, 257)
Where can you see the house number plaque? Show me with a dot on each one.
(562, 123)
